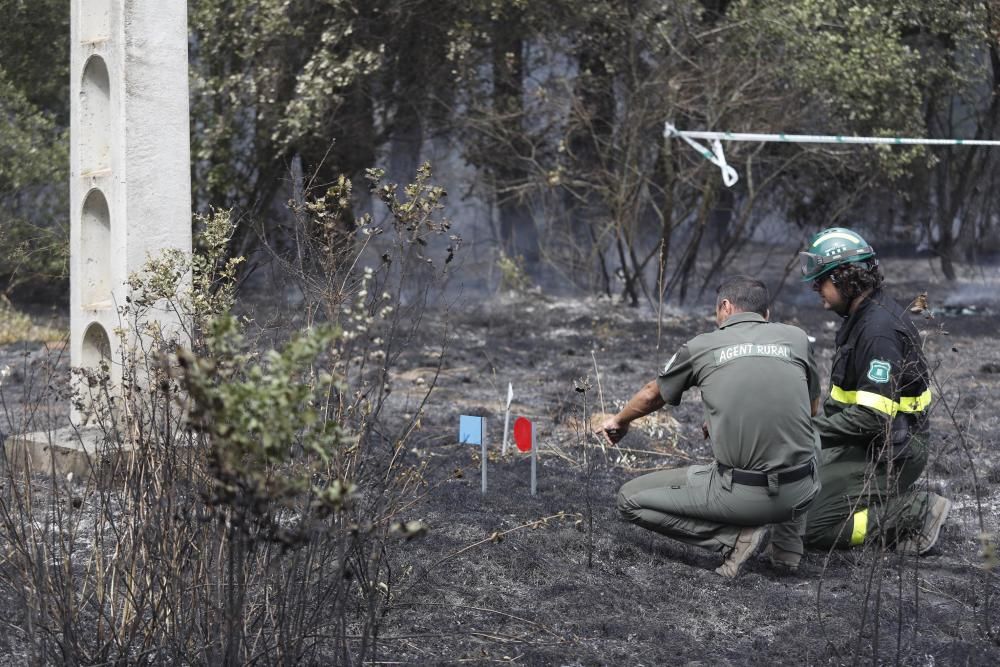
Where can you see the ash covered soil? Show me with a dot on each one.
(558, 578)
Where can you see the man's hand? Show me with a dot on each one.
(613, 429)
(598, 423)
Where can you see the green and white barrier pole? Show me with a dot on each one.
(716, 156)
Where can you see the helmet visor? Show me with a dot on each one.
(814, 265)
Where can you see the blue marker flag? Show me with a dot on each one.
(470, 430)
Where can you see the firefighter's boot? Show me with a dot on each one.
(923, 540)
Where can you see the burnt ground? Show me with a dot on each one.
(558, 579)
(590, 589)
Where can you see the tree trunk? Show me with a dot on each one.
(591, 123)
(518, 234)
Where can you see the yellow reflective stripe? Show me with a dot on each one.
(880, 402)
(866, 398)
(876, 402)
(915, 403)
(860, 528)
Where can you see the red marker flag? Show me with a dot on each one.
(523, 433)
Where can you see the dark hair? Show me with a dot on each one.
(856, 277)
(745, 293)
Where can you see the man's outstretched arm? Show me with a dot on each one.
(645, 401)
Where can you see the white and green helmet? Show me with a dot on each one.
(832, 248)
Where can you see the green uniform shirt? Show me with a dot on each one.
(757, 379)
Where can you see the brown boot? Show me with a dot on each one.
(786, 561)
(748, 544)
(921, 541)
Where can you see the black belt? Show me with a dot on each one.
(752, 478)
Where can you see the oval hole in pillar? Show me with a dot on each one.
(95, 117)
(95, 252)
(96, 347)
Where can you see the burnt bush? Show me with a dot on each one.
(246, 503)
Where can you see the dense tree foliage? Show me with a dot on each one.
(559, 108)
(34, 148)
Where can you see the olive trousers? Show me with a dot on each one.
(863, 499)
(701, 505)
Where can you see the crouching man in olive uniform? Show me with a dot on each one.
(760, 388)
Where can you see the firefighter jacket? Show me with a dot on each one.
(879, 383)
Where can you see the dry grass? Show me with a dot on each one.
(16, 326)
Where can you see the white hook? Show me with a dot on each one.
(716, 156)
(729, 175)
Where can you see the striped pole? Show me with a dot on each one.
(717, 157)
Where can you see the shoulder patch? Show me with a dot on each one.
(878, 371)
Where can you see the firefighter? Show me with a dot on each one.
(873, 427)
(762, 436)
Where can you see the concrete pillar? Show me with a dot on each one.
(130, 166)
